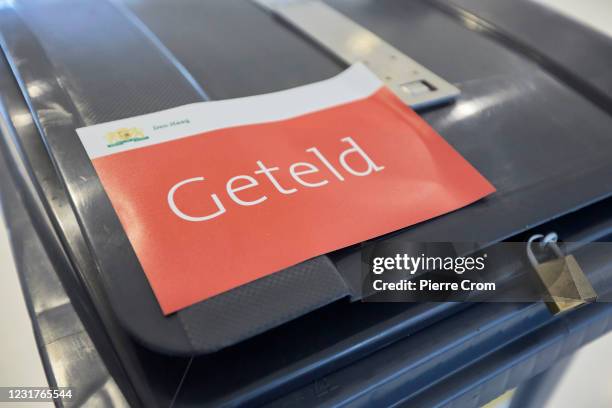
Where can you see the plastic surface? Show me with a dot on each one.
(514, 95)
(69, 357)
(75, 101)
(542, 142)
(189, 212)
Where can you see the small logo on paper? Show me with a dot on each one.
(124, 135)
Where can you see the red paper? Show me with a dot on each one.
(361, 168)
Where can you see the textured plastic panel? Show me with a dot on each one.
(71, 84)
(468, 359)
(512, 364)
(585, 53)
(69, 356)
(511, 107)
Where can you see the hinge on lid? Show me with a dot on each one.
(414, 84)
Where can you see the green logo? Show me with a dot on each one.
(124, 135)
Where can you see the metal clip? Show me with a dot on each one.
(413, 83)
(564, 279)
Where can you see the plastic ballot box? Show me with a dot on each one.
(509, 140)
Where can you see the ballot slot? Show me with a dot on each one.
(413, 83)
